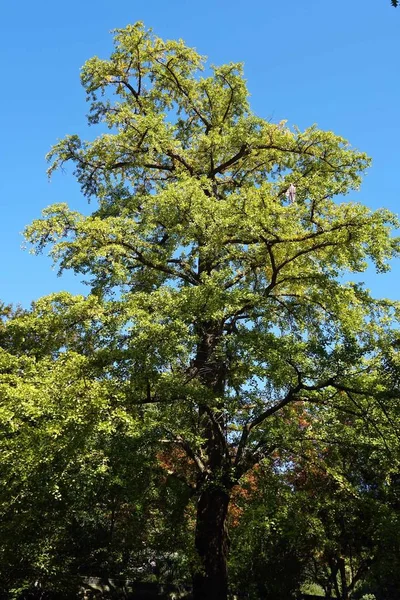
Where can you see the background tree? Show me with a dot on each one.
(322, 513)
(83, 492)
(219, 306)
(271, 538)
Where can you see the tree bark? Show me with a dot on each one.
(210, 581)
(212, 545)
(343, 581)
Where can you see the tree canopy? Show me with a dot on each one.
(220, 318)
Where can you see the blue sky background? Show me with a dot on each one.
(330, 63)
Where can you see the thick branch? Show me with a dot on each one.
(221, 435)
(192, 454)
(244, 150)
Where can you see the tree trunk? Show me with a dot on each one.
(211, 538)
(212, 544)
(343, 581)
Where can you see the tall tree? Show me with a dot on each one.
(216, 255)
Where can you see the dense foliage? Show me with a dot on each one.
(222, 371)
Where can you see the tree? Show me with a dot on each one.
(218, 307)
(83, 492)
(323, 513)
(270, 533)
(345, 514)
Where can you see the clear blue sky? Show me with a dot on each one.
(331, 63)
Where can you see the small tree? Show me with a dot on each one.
(220, 301)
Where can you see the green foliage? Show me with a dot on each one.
(82, 492)
(218, 325)
(271, 540)
(192, 231)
